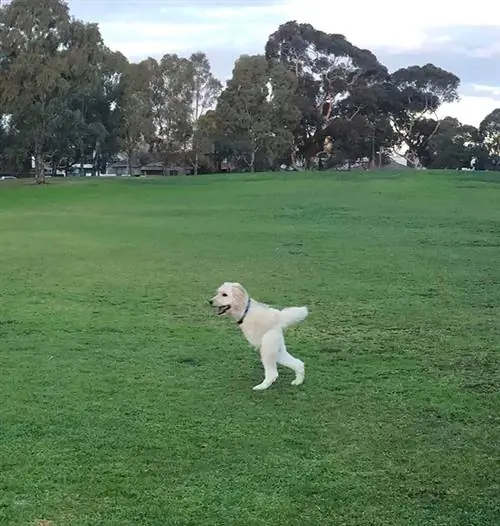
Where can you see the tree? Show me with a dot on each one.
(490, 133)
(242, 107)
(51, 68)
(171, 95)
(134, 110)
(361, 136)
(207, 133)
(94, 74)
(66, 98)
(15, 152)
(328, 68)
(414, 95)
(284, 113)
(253, 114)
(363, 125)
(453, 145)
(34, 38)
(206, 89)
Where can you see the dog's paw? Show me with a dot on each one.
(263, 386)
(298, 381)
(267, 382)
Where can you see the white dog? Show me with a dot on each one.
(263, 328)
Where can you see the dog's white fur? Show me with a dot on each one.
(263, 327)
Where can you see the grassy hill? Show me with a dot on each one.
(126, 401)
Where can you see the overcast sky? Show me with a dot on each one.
(461, 37)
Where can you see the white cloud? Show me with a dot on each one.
(382, 25)
(387, 24)
(229, 30)
(492, 90)
(156, 38)
(471, 109)
(491, 50)
(226, 13)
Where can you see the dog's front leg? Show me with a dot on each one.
(269, 349)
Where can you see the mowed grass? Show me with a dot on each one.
(126, 401)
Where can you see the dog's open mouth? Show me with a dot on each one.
(223, 309)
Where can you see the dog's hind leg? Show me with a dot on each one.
(270, 346)
(287, 360)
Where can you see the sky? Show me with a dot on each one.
(462, 38)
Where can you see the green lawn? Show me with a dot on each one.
(126, 401)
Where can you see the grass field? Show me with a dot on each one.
(126, 401)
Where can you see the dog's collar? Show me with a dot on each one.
(245, 312)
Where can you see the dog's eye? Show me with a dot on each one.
(224, 294)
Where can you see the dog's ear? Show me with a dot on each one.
(239, 294)
(238, 288)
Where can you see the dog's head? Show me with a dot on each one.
(230, 298)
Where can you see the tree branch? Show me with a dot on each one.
(358, 109)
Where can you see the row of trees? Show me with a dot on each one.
(310, 100)
(67, 98)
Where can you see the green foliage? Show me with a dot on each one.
(134, 112)
(171, 92)
(454, 145)
(329, 70)
(206, 90)
(257, 111)
(418, 92)
(243, 108)
(53, 76)
(490, 132)
(35, 41)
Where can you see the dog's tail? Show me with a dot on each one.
(292, 315)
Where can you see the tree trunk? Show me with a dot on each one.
(196, 157)
(97, 159)
(213, 160)
(39, 167)
(195, 135)
(252, 162)
(129, 162)
(82, 161)
(373, 148)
